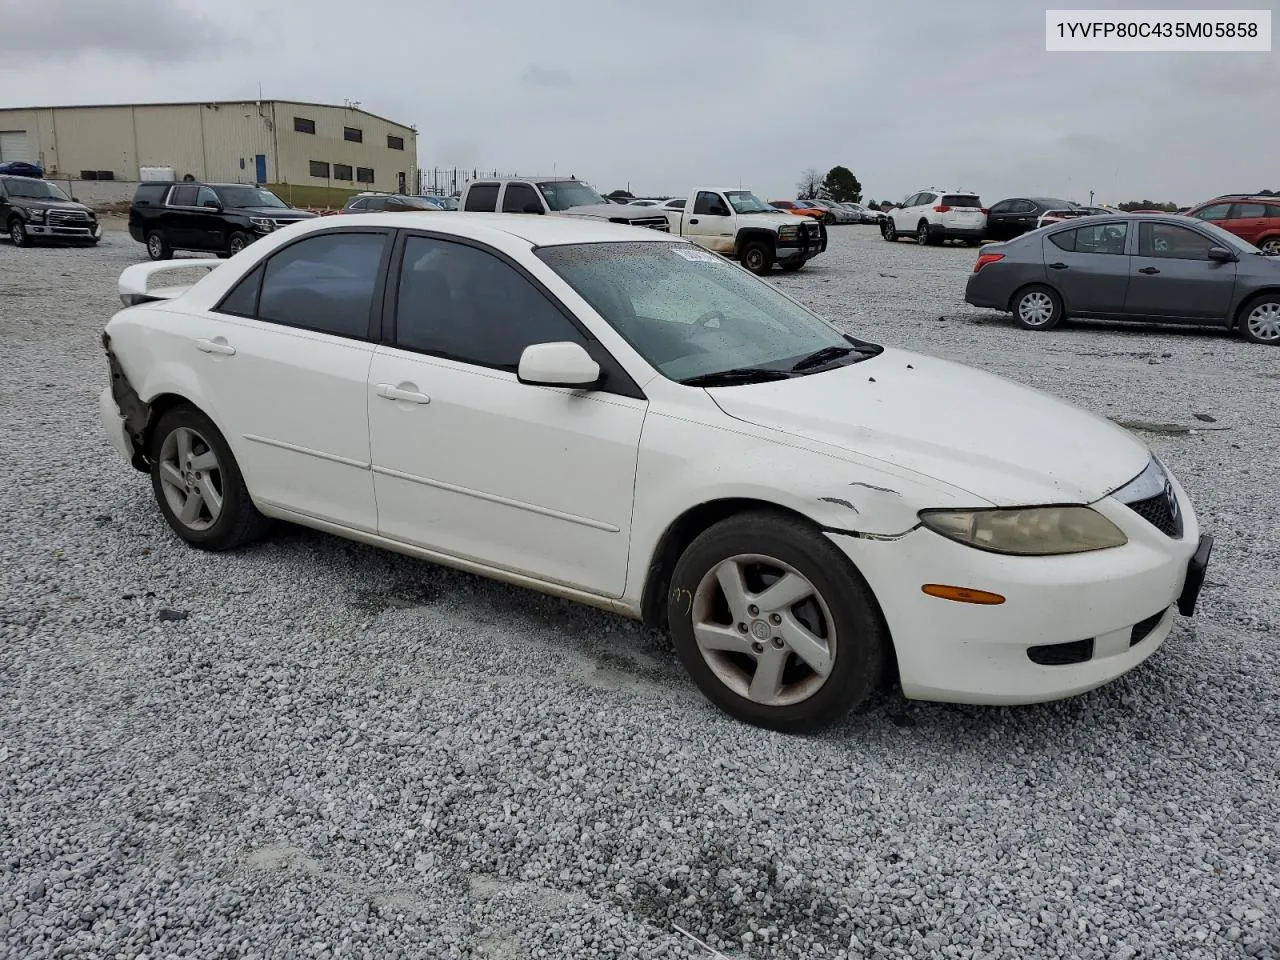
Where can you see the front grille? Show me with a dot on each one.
(1142, 629)
(68, 217)
(653, 223)
(1161, 511)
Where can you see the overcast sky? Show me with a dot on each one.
(669, 94)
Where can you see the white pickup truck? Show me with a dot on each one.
(738, 224)
(557, 197)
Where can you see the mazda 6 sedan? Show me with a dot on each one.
(621, 418)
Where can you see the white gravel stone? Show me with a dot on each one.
(346, 753)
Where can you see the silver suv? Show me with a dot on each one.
(935, 215)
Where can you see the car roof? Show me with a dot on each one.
(536, 230)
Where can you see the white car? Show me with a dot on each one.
(934, 216)
(622, 418)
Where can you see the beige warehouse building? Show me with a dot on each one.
(239, 141)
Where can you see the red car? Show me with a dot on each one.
(1253, 219)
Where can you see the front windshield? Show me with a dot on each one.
(691, 313)
(563, 194)
(744, 201)
(249, 197)
(34, 189)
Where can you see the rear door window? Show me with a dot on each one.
(1248, 211)
(482, 198)
(324, 283)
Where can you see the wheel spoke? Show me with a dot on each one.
(785, 593)
(767, 682)
(191, 508)
(729, 575)
(183, 437)
(210, 495)
(205, 461)
(809, 648)
(171, 475)
(714, 636)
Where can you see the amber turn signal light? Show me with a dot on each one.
(962, 594)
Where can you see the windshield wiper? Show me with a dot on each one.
(820, 357)
(726, 378)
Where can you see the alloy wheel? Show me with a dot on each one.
(191, 478)
(18, 233)
(1035, 309)
(922, 234)
(1264, 321)
(1271, 247)
(764, 630)
(155, 246)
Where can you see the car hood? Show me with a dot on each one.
(39, 204)
(276, 213)
(1002, 443)
(612, 211)
(771, 220)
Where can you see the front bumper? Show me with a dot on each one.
(1098, 615)
(113, 424)
(88, 231)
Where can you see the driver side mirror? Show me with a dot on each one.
(559, 364)
(1221, 254)
(212, 205)
(532, 207)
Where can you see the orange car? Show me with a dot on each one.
(799, 208)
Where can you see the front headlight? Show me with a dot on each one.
(789, 231)
(1027, 531)
(262, 224)
(35, 213)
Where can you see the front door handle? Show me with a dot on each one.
(1057, 266)
(1148, 270)
(216, 345)
(405, 391)
(693, 221)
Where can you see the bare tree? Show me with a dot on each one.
(810, 185)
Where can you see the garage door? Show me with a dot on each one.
(13, 146)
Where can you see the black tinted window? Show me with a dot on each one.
(183, 196)
(324, 283)
(1106, 238)
(460, 302)
(482, 198)
(519, 195)
(303, 125)
(961, 200)
(1171, 241)
(243, 298)
(706, 201)
(1248, 211)
(1004, 206)
(150, 193)
(677, 204)
(1066, 240)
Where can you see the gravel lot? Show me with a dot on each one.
(340, 752)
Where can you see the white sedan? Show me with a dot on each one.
(622, 418)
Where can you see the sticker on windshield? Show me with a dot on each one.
(694, 254)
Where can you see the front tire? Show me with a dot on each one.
(1037, 308)
(1260, 320)
(157, 247)
(237, 242)
(757, 257)
(774, 624)
(197, 482)
(888, 230)
(18, 233)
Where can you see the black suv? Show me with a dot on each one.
(222, 218)
(32, 209)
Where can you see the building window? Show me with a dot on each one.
(303, 125)
(320, 169)
(395, 143)
(364, 174)
(354, 134)
(342, 171)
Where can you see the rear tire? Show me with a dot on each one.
(1260, 320)
(757, 257)
(753, 654)
(1037, 307)
(922, 233)
(1270, 246)
(197, 482)
(157, 247)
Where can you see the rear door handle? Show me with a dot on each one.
(405, 391)
(1148, 270)
(1057, 266)
(216, 345)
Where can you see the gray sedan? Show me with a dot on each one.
(1146, 268)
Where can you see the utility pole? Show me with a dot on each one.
(1091, 198)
